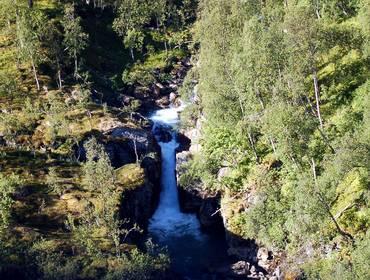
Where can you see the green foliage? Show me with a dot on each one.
(140, 266)
(284, 102)
(98, 172)
(54, 182)
(8, 185)
(75, 40)
(144, 73)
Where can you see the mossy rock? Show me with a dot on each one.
(130, 176)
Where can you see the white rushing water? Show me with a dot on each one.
(167, 221)
(192, 252)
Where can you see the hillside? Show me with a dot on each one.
(273, 149)
(283, 106)
(77, 157)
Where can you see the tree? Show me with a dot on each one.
(56, 121)
(8, 185)
(130, 21)
(98, 172)
(75, 40)
(364, 18)
(54, 181)
(30, 26)
(7, 12)
(54, 41)
(305, 46)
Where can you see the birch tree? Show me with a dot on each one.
(30, 26)
(129, 24)
(304, 44)
(75, 40)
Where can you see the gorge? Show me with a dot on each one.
(194, 254)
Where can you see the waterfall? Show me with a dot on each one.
(192, 252)
(167, 219)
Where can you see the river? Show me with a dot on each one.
(193, 254)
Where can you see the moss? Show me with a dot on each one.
(130, 176)
(350, 205)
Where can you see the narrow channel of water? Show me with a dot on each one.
(193, 253)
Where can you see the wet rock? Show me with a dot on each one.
(141, 93)
(138, 205)
(163, 102)
(240, 269)
(158, 89)
(163, 134)
(172, 97)
(209, 216)
(173, 86)
(137, 138)
(241, 248)
(125, 99)
(184, 143)
(263, 254)
(190, 201)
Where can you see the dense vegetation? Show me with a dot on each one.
(284, 103)
(64, 66)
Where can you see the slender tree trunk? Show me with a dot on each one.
(259, 96)
(59, 79)
(317, 9)
(136, 154)
(326, 205)
(30, 4)
(165, 40)
(59, 74)
(35, 74)
(317, 96)
(253, 147)
(132, 54)
(165, 47)
(76, 65)
(323, 135)
(273, 145)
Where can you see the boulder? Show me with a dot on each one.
(240, 269)
(163, 102)
(184, 143)
(173, 97)
(125, 99)
(158, 89)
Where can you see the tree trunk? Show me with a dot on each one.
(59, 74)
(317, 10)
(273, 145)
(317, 96)
(166, 48)
(35, 74)
(253, 147)
(326, 205)
(30, 4)
(260, 99)
(132, 54)
(76, 65)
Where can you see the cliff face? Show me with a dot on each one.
(216, 212)
(136, 150)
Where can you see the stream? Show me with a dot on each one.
(193, 254)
